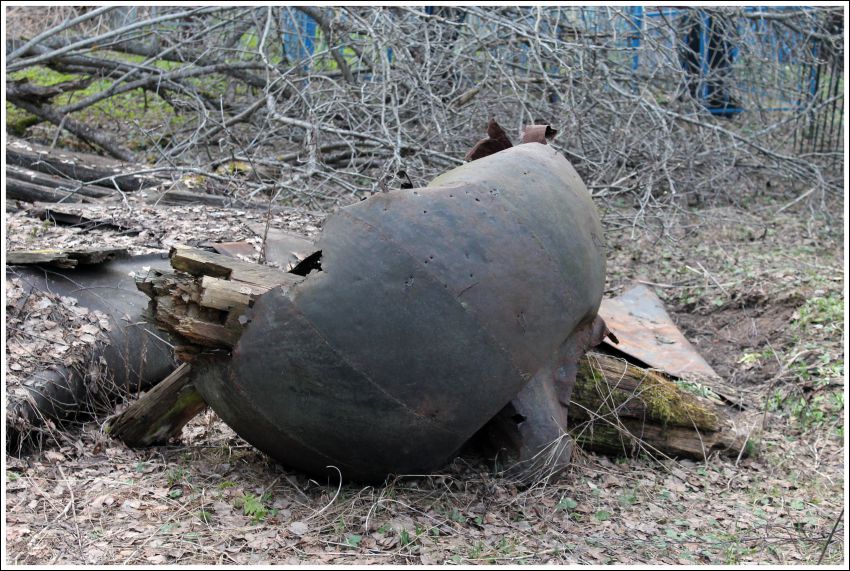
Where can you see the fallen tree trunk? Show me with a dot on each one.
(55, 183)
(32, 192)
(83, 167)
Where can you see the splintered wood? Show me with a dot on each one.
(205, 299)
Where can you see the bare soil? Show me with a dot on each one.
(760, 295)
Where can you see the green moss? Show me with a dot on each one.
(193, 180)
(146, 109)
(665, 402)
(233, 167)
(18, 120)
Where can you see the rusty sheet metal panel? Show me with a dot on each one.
(434, 308)
(646, 332)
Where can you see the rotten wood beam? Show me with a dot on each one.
(161, 413)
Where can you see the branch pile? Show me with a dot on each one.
(379, 95)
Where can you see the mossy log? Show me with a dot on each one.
(618, 408)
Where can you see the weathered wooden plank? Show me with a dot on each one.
(228, 295)
(201, 263)
(161, 413)
(64, 258)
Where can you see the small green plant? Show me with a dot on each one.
(566, 504)
(757, 358)
(797, 504)
(825, 311)
(205, 516)
(353, 540)
(629, 498)
(808, 412)
(254, 507)
(456, 516)
(603, 515)
(176, 475)
(226, 484)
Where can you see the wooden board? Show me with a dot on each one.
(64, 258)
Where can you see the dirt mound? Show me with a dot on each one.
(740, 339)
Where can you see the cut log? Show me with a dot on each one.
(161, 413)
(32, 192)
(618, 408)
(57, 183)
(83, 167)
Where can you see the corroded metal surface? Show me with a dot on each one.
(646, 332)
(538, 134)
(433, 309)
